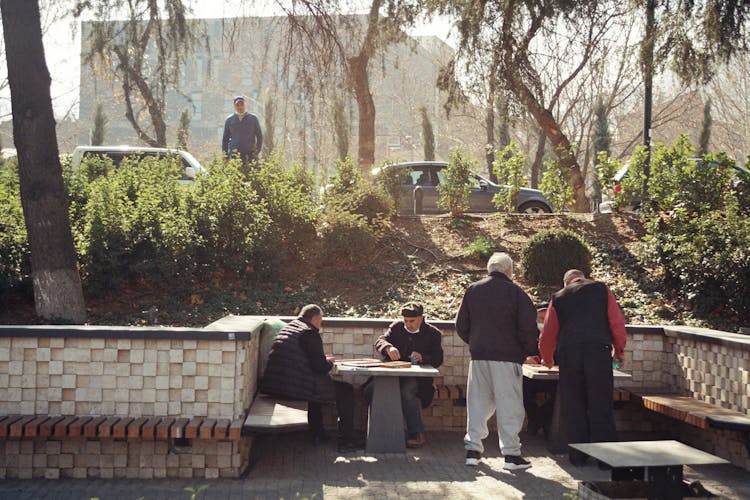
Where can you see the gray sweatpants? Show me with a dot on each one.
(494, 385)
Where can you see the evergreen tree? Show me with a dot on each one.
(269, 122)
(183, 129)
(705, 138)
(99, 130)
(428, 135)
(601, 140)
(341, 129)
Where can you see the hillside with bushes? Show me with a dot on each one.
(154, 251)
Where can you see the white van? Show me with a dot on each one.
(118, 153)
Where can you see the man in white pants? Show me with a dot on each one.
(498, 321)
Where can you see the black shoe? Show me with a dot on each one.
(516, 462)
(473, 458)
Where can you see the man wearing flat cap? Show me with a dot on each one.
(413, 339)
(242, 135)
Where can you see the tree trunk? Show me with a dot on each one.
(559, 141)
(366, 111)
(58, 294)
(536, 167)
(489, 125)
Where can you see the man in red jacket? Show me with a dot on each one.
(585, 330)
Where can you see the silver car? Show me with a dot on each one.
(429, 174)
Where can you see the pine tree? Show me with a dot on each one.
(269, 124)
(428, 135)
(705, 138)
(183, 129)
(99, 130)
(341, 129)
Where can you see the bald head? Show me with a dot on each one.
(572, 275)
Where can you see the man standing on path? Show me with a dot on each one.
(498, 321)
(242, 135)
(586, 327)
(413, 339)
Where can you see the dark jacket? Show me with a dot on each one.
(242, 136)
(498, 320)
(427, 342)
(297, 367)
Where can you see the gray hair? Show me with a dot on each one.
(310, 311)
(500, 262)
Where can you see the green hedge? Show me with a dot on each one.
(548, 254)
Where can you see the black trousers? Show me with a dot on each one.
(344, 408)
(586, 385)
(539, 412)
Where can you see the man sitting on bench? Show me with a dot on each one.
(412, 339)
(298, 369)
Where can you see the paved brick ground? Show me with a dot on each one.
(288, 467)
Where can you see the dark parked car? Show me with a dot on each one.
(429, 174)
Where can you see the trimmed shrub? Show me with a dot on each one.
(228, 219)
(287, 195)
(346, 237)
(548, 254)
(132, 222)
(15, 266)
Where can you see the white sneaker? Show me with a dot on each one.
(516, 462)
(473, 458)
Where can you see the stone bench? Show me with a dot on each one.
(694, 412)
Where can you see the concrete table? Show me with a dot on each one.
(557, 437)
(659, 463)
(385, 423)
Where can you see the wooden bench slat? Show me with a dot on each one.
(235, 429)
(207, 428)
(162, 429)
(106, 428)
(6, 423)
(133, 430)
(149, 428)
(178, 428)
(191, 429)
(61, 427)
(685, 408)
(91, 428)
(76, 428)
(16, 428)
(48, 427)
(32, 428)
(120, 429)
(221, 431)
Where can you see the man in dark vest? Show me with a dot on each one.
(586, 328)
(298, 369)
(242, 134)
(412, 339)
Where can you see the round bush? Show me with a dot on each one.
(549, 254)
(346, 237)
